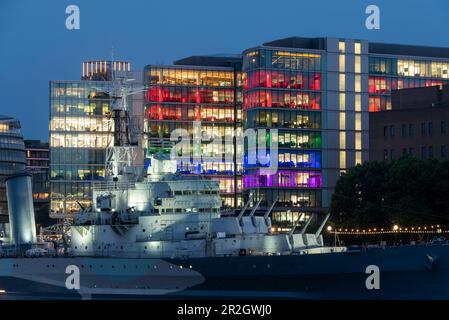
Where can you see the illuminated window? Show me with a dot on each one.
(342, 82)
(358, 121)
(341, 47)
(342, 99)
(357, 48)
(358, 103)
(342, 140)
(341, 63)
(342, 120)
(342, 159)
(358, 157)
(358, 141)
(358, 65)
(357, 84)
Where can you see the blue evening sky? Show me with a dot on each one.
(36, 47)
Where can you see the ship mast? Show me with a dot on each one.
(121, 153)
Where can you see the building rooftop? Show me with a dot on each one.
(36, 144)
(298, 42)
(217, 60)
(374, 48)
(420, 98)
(408, 50)
(3, 117)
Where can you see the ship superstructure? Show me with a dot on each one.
(165, 216)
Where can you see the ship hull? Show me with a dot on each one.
(404, 273)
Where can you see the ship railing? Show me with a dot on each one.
(106, 186)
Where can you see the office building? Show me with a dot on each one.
(81, 129)
(204, 91)
(12, 158)
(416, 125)
(315, 93)
(37, 155)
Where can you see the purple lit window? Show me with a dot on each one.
(284, 178)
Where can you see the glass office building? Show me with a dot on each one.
(198, 93)
(37, 155)
(80, 131)
(312, 91)
(282, 90)
(12, 158)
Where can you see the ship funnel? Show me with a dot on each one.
(20, 209)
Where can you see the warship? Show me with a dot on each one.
(164, 238)
(153, 234)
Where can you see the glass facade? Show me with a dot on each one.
(282, 90)
(393, 73)
(80, 131)
(38, 164)
(12, 157)
(179, 96)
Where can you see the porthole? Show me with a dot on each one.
(143, 230)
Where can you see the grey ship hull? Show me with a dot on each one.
(404, 274)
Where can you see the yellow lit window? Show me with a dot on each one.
(358, 84)
(342, 159)
(358, 64)
(358, 103)
(342, 98)
(358, 157)
(358, 121)
(357, 48)
(341, 47)
(342, 120)
(358, 141)
(341, 63)
(342, 140)
(342, 82)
